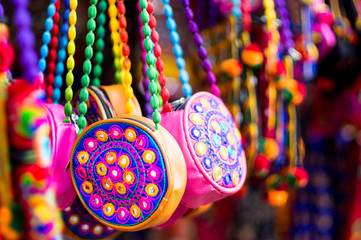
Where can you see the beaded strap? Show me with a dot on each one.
(87, 66)
(150, 60)
(126, 76)
(202, 52)
(148, 109)
(44, 50)
(99, 44)
(63, 43)
(115, 39)
(70, 64)
(309, 66)
(286, 34)
(164, 93)
(52, 54)
(26, 41)
(177, 49)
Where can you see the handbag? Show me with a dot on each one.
(206, 133)
(129, 172)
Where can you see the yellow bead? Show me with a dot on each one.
(128, 92)
(71, 48)
(116, 50)
(129, 107)
(115, 37)
(72, 18)
(113, 24)
(73, 4)
(72, 33)
(111, 2)
(113, 11)
(128, 78)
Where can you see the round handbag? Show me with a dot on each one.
(128, 175)
(205, 131)
(211, 144)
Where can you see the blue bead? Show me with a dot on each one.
(168, 11)
(183, 75)
(165, 1)
(51, 10)
(66, 15)
(52, 1)
(48, 24)
(174, 37)
(44, 51)
(177, 50)
(181, 63)
(187, 90)
(67, 3)
(42, 64)
(171, 24)
(59, 68)
(58, 81)
(56, 95)
(61, 55)
(237, 13)
(64, 29)
(63, 42)
(46, 37)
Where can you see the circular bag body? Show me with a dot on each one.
(212, 148)
(81, 225)
(62, 139)
(128, 175)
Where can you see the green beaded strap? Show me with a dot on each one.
(99, 44)
(70, 63)
(87, 65)
(150, 59)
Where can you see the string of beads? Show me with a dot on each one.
(52, 54)
(63, 43)
(177, 49)
(70, 63)
(202, 52)
(150, 60)
(99, 44)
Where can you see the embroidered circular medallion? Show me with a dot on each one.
(121, 176)
(82, 224)
(215, 140)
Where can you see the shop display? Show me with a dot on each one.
(206, 119)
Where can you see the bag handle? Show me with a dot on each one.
(177, 49)
(202, 51)
(162, 80)
(53, 78)
(151, 61)
(120, 49)
(90, 38)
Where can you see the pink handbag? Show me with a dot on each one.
(211, 144)
(62, 139)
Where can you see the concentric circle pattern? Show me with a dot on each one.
(125, 175)
(215, 140)
(82, 224)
